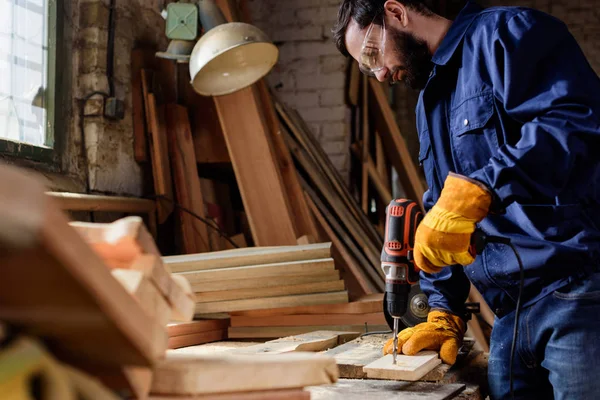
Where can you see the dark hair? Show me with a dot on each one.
(364, 12)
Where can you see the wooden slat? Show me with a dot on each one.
(394, 144)
(354, 261)
(293, 268)
(193, 339)
(161, 169)
(248, 256)
(309, 319)
(262, 283)
(311, 342)
(407, 368)
(255, 167)
(273, 332)
(71, 300)
(369, 304)
(187, 182)
(140, 144)
(352, 357)
(183, 374)
(88, 202)
(353, 83)
(285, 301)
(189, 328)
(275, 291)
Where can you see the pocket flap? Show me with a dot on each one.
(425, 144)
(472, 113)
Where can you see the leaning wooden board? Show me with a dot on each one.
(185, 374)
(72, 300)
(247, 256)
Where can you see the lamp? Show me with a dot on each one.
(227, 58)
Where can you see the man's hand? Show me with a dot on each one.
(443, 332)
(444, 236)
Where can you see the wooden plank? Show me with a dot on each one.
(89, 202)
(303, 223)
(266, 271)
(261, 282)
(353, 83)
(147, 76)
(351, 389)
(248, 143)
(193, 339)
(189, 328)
(140, 144)
(284, 301)
(286, 290)
(382, 167)
(344, 252)
(369, 304)
(247, 256)
(352, 357)
(407, 368)
(181, 298)
(309, 319)
(161, 170)
(293, 394)
(183, 374)
(187, 182)
(394, 144)
(72, 300)
(274, 332)
(312, 342)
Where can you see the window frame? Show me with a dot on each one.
(46, 155)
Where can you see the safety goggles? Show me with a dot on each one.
(372, 50)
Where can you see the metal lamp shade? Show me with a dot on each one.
(230, 57)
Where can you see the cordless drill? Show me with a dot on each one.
(402, 219)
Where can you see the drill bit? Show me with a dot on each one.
(395, 339)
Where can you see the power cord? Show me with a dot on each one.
(207, 222)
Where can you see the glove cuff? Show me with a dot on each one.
(466, 197)
(450, 321)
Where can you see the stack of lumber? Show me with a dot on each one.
(364, 315)
(261, 277)
(55, 287)
(184, 334)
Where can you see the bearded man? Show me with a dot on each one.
(509, 127)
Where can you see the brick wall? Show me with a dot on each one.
(311, 73)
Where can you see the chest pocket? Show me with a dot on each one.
(473, 133)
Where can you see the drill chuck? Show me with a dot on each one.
(397, 299)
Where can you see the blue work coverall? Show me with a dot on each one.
(512, 102)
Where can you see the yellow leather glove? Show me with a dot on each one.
(443, 238)
(443, 332)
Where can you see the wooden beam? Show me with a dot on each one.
(394, 144)
(187, 182)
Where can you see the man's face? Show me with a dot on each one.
(406, 58)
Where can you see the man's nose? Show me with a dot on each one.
(382, 75)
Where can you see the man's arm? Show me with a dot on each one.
(544, 81)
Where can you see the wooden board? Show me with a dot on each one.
(197, 338)
(187, 183)
(352, 357)
(293, 394)
(312, 341)
(188, 328)
(394, 144)
(284, 290)
(140, 144)
(274, 332)
(350, 389)
(407, 368)
(247, 138)
(183, 374)
(72, 300)
(261, 282)
(257, 271)
(368, 304)
(309, 319)
(90, 202)
(257, 304)
(247, 256)
(344, 251)
(181, 299)
(161, 169)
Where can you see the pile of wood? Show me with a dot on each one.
(261, 278)
(363, 315)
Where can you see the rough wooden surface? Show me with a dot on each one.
(293, 394)
(352, 357)
(407, 368)
(313, 341)
(349, 389)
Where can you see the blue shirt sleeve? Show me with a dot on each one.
(544, 82)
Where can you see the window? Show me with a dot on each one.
(28, 37)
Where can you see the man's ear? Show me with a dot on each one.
(396, 11)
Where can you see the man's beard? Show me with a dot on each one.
(415, 57)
